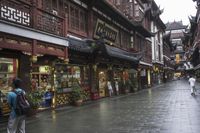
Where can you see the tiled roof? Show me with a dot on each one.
(175, 25)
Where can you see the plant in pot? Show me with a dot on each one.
(77, 95)
(35, 98)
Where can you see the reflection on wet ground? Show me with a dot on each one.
(168, 108)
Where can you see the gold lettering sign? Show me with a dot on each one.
(110, 33)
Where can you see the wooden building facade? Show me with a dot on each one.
(48, 44)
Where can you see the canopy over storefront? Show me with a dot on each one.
(98, 48)
(115, 52)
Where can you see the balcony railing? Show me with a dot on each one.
(22, 12)
(49, 23)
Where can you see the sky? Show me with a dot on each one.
(177, 10)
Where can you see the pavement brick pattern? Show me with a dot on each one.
(167, 108)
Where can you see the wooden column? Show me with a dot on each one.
(34, 14)
(94, 90)
(90, 24)
(65, 25)
(34, 45)
(66, 55)
(24, 72)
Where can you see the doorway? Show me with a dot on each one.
(102, 74)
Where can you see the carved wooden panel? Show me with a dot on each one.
(50, 49)
(15, 11)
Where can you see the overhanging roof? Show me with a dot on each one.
(79, 45)
(119, 54)
(122, 54)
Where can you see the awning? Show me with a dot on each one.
(79, 45)
(118, 53)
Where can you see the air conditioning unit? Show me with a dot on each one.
(55, 12)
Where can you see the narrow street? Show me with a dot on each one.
(168, 108)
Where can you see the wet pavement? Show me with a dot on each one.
(167, 108)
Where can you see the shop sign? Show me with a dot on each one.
(110, 33)
(44, 69)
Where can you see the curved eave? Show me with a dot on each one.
(144, 31)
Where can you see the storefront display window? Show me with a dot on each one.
(41, 78)
(8, 70)
(65, 76)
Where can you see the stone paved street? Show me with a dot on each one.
(167, 108)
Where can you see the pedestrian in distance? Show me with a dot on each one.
(192, 81)
(16, 123)
(110, 89)
(117, 87)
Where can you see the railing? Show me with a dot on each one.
(22, 12)
(49, 23)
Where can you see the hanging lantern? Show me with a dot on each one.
(66, 61)
(34, 58)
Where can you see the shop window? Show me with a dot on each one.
(8, 70)
(65, 76)
(41, 78)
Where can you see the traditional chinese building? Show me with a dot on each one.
(32, 41)
(48, 44)
(177, 30)
(168, 62)
(135, 11)
(191, 43)
(158, 28)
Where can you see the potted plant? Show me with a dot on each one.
(35, 99)
(77, 95)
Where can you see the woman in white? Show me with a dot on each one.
(117, 87)
(192, 81)
(110, 88)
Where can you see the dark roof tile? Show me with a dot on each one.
(175, 25)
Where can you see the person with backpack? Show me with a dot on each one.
(16, 122)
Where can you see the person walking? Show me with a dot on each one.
(16, 124)
(117, 87)
(192, 81)
(110, 90)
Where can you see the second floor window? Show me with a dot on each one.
(125, 40)
(78, 19)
